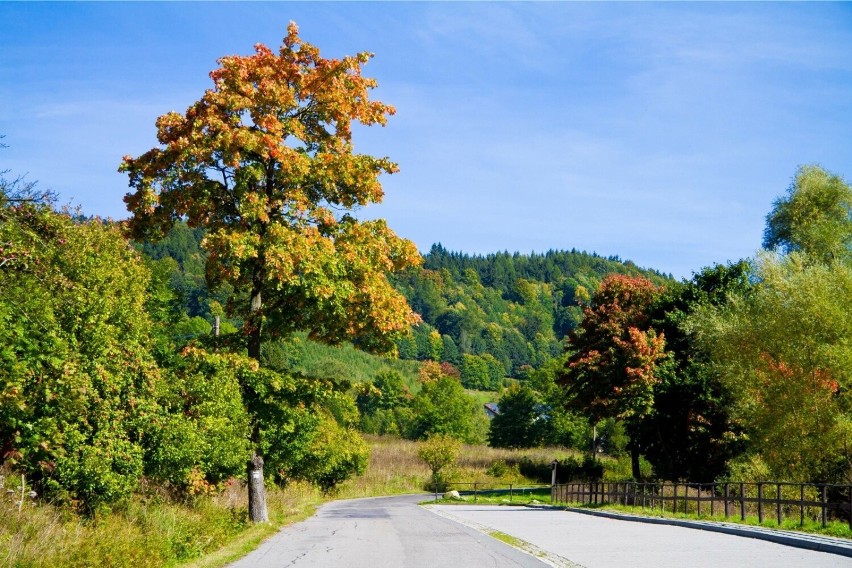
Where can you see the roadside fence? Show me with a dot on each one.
(816, 501)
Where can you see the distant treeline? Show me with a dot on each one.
(501, 311)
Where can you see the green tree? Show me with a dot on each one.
(201, 436)
(439, 451)
(442, 407)
(783, 350)
(521, 422)
(384, 404)
(690, 433)
(76, 372)
(475, 372)
(815, 217)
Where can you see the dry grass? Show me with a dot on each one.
(395, 468)
(154, 530)
(149, 530)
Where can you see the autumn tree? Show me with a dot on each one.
(265, 162)
(618, 358)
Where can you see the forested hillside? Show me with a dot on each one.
(491, 317)
(507, 313)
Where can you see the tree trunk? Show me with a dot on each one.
(255, 323)
(634, 461)
(256, 490)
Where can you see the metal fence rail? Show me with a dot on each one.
(819, 501)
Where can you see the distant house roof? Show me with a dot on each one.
(492, 409)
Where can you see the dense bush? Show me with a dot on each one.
(76, 377)
(442, 407)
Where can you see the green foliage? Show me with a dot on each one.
(690, 433)
(387, 392)
(334, 454)
(201, 439)
(815, 217)
(522, 420)
(75, 372)
(784, 352)
(442, 407)
(439, 451)
(482, 372)
(570, 468)
(613, 437)
(384, 405)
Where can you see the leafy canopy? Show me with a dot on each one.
(265, 162)
(815, 217)
(615, 366)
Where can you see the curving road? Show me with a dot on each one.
(384, 532)
(394, 532)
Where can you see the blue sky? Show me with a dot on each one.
(658, 132)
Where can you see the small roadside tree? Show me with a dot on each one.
(439, 451)
(264, 161)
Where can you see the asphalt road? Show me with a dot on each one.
(386, 532)
(596, 542)
(395, 532)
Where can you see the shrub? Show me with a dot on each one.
(442, 407)
(439, 452)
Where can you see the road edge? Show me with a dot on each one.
(806, 541)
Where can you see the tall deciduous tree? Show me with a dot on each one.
(265, 162)
(784, 352)
(815, 217)
(618, 356)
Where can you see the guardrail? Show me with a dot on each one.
(830, 500)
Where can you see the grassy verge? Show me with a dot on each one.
(516, 496)
(148, 530)
(152, 529)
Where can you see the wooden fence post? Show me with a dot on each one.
(727, 495)
(778, 504)
(849, 488)
(760, 502)
(674, 499)
(742, 501)
(824, 506)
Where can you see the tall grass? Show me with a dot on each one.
(153, 529)
(148, 530)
